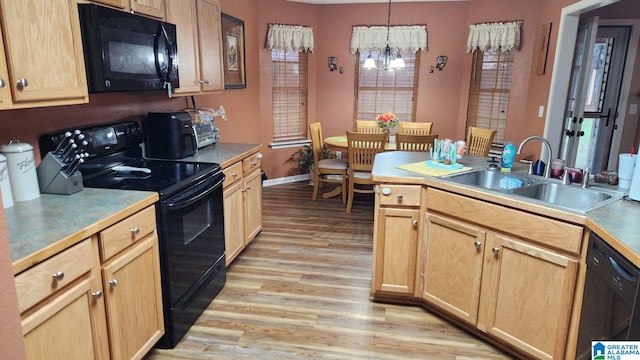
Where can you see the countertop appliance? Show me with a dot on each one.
(169, 135)
(189, 216)
(127, 52)
(609, 305)
(204, 128)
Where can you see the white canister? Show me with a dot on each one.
(5, 185)
(22, 170)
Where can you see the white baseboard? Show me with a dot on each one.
(286, 180)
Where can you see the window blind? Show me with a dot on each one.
(378, 91)
(289, 89)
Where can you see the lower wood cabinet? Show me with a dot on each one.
(242, 204)
(98, 299)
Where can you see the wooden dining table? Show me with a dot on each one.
(340, 143)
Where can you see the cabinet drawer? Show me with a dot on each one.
(232, 174)
(44, 279)
(250, 163)
(119, 236)
(550, 232)
(406, 195)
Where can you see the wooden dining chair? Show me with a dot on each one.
(362, 148)
(408, 142)
(414, 128)
(368, 127)
(479, 141)
(326, 171)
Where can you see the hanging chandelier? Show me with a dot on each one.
(388, 63)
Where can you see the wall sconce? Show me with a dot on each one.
(333, 63)
(442, 62)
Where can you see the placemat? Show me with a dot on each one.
(422, 168)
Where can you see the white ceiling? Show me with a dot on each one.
(326, 2)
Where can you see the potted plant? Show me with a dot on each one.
(304, 157)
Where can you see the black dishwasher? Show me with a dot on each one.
(610, 298)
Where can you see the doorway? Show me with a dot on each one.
(594, 95)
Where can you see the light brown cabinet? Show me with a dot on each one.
(397, 226)
(200, 45)
(505, 278)
(242, 204)
(100, 298)
(45, 65)
(154, 8)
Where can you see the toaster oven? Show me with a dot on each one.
(203, 125)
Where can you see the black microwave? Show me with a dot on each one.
(127, 52)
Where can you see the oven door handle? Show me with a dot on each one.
(176, 205)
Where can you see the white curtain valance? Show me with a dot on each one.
(290, 37)
(494, 36)
(374, 38)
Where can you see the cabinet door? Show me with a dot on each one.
(62, 329)
(395, 250)
(233, 221)
(453, 266)
(120, 4)
(153, 8)
(253, 204)
(210, 37)
(183, 14)
(527, 295)
(45, 62)
(5, 90)
(134, 300)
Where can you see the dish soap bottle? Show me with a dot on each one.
(508, 157)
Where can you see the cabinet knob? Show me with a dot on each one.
(415, 222)
(23, 83)
(234, 175)
(113, 282)
(135, 231)
(386, 191)
(206, 82)
(2, 83)
(58, 276)
(248, 187)
(495, 250)
(400, 197)
(97, 295)
(477, 244)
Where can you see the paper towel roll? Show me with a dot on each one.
(634, 190)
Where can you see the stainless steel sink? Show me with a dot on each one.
(486, 179)
(566, 196)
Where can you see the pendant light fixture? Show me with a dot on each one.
(387, 62)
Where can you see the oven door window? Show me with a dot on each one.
(193, 227)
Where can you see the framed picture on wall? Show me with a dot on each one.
(233, 52)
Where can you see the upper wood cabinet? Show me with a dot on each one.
(45, 64)
(155, 8)
(199, 44)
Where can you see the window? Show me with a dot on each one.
(489, 92)
(289, 74)
(379, 91)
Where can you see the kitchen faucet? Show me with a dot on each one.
(548, 147)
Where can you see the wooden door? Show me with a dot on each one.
(62, 329)
(252, 204)
(395, 250)
(453, 266)
(233, 221)
(210, 36)
(183, 14)
(46, 62)
(120, 4)
(527, 295)
(133, 299)
(153, 8)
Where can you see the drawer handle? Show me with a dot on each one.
(254, 163)
(113, 282)
(495, 250)
(415, 222)
(400, 197)
(135, 231)
(97, 295)
(477, 244)
(58, 276)
(234, 175)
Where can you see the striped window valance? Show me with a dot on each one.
(498, 36)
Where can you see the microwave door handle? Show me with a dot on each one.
(164, 75)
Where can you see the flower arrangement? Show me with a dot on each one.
(387, 120)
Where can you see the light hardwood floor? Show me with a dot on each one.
(301, 290)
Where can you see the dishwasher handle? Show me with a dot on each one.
(622, 271)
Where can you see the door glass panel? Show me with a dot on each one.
(598, 75)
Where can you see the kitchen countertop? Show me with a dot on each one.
(44, 226)
(617, 222)
(51, 223)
